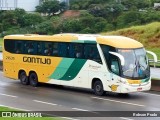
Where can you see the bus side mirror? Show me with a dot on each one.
(153, 54)
(119, 56)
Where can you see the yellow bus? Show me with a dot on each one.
(102, 63)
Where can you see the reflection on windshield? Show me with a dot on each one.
(136, 64)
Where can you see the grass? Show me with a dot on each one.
(148, 35)
(155, 78)
(24, 118)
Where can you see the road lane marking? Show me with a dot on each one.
(80, 109)
(44, 102)
(69, 118)
(8, 95)
(124, 118)
(149, 94)
(118, 101)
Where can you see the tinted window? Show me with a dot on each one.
(9, 45)
(30, 47)
(58, 49)
(91, 52)
(111, 60)
(76, 50)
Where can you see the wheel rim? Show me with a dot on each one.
(98, 88)
(23, 78)
(33, 79)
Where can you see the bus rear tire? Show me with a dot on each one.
(33, 79)
(23, 78)
(98, 88)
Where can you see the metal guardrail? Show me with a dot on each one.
(154, 63)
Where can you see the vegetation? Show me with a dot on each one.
(93, 16)
(23, 118)
(148, 35)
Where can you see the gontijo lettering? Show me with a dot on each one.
(37, 60)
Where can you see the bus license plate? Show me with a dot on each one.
(139, 89)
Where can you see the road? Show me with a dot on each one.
(54, 98)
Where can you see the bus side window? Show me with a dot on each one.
(9, 46)
(19, 47)
(63, 49)
(112, 61)
(78, 51)
(71, 50)
(115, 65)
(55, 49)
(40, 48)
(91, 52)
(48, 49)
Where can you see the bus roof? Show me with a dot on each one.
(115, 41)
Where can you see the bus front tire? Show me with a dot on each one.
(23, 78)
(33, 79)
(98, 88)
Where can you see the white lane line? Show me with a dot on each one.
(8, 95)
(44, 102)
(79, 109)
(14, 108)
(124, 118)
(118, 101)
(69, 118)
(149, 94)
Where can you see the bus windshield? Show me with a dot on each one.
(136, 63)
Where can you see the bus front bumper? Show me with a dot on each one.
(127, 88)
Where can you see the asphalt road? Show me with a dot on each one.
(55, 98)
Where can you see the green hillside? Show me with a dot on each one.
(148, 35)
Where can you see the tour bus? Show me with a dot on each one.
(102, 63)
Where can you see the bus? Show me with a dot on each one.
(102, 63)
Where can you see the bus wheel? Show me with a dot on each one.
(23, 78)
(98, 88)
(33, 79)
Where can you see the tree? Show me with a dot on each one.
(32, 19)
(51, 7)
(20, 13)
(139, 4)
(9, 19)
